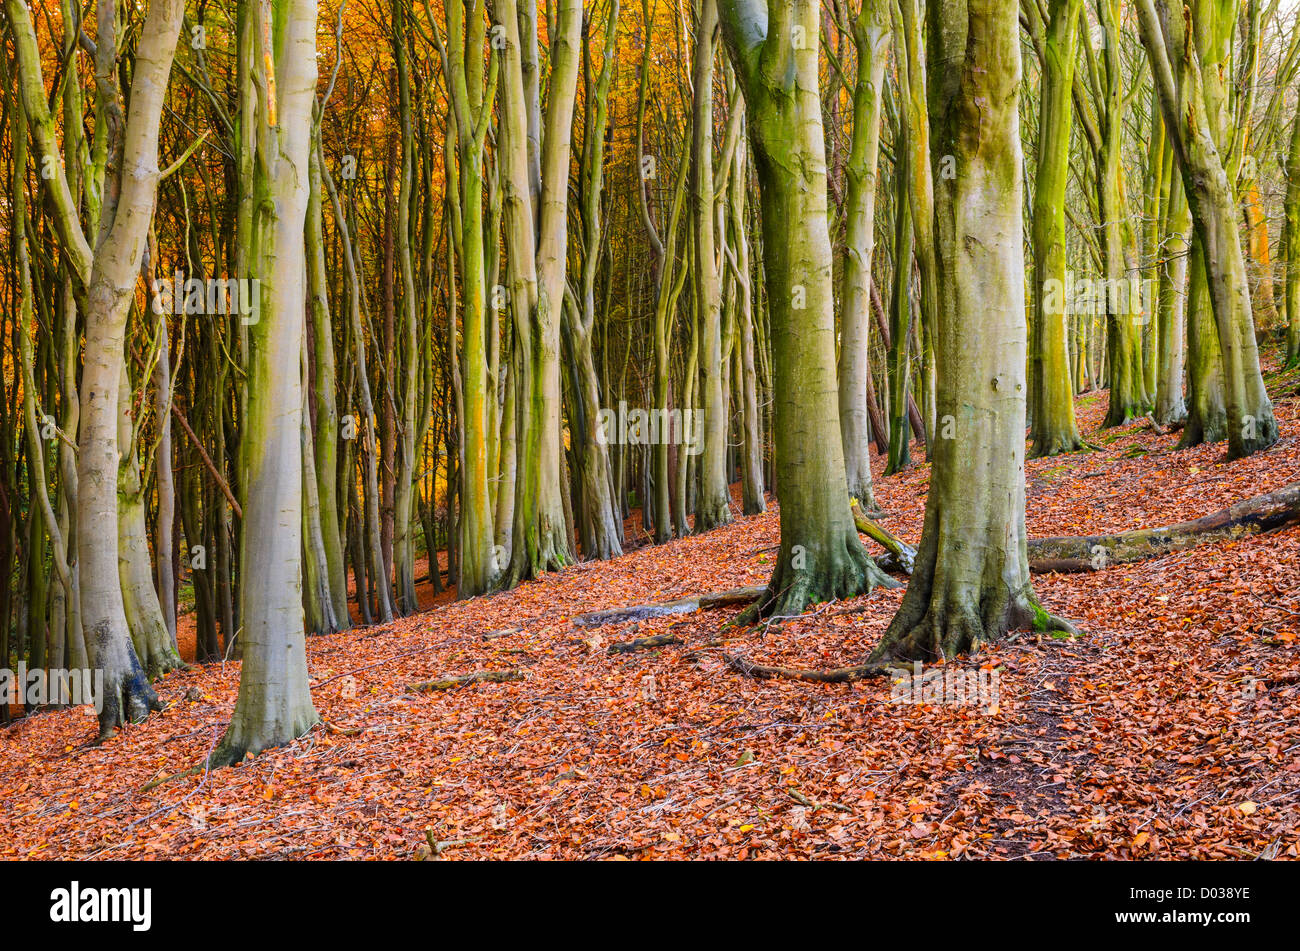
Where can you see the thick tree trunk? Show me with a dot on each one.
(971, 582)
(108, 277)
(536, 260)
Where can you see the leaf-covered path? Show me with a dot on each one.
(1170, 729)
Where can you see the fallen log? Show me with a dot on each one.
(1063, 554)
(687, 605)
(904, 554)
(478, 676)
(1074, 553)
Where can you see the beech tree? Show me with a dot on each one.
(274, 704)
(105, 275)
(774, 46)
(1184, 53)
(971, 578)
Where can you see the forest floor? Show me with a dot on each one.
(1169, 729)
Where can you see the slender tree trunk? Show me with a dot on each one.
(821, 556)
(1170, 408)
(1187, 92)
(871, 36)
(274, 705)
(712, 507)
(1052, 425)
(326, 437)
(1291, 247)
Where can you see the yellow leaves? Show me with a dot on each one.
(1140, 839)
(1247, 808)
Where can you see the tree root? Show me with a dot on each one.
(643, 643)
(838, 675)
(478, 676)
(436, 847)
(162, 780)
(950, 626)
(803, 800)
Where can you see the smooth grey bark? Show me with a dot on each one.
(274, 705)
(871, 36)
(713, 504)
(106, 278)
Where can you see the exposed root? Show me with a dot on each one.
(130, 700)
(816, 576)
(643, 643)
(163, 780)
(837, 675)
(436, 847)
(952, 626)
(478, 676)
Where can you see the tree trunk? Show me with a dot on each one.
(274, 705)
(1051, 398)
(971, 582)
(536, 265)
(871, 36)
(1191, 101)
(821, 556)
(108, 276)
(712, 507)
